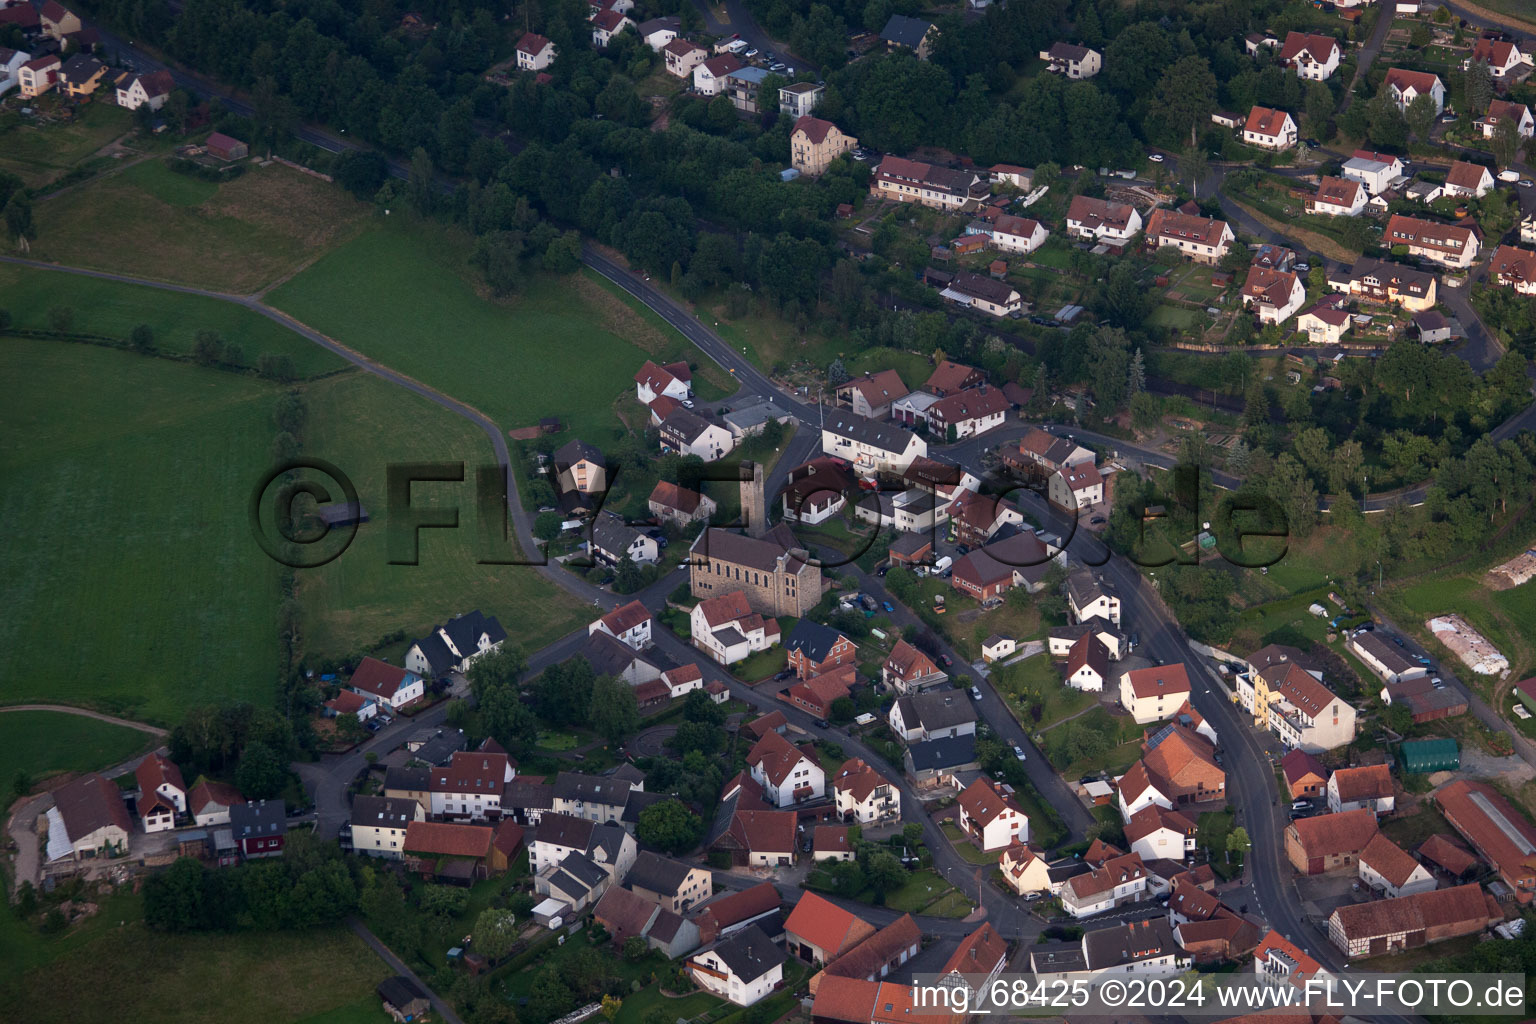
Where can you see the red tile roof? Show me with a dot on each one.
(442, 839)
(1464, 904)
(1318, 47)
(1495, 828)
(206, 792)
(1368, 782)
(1334, 834)
(1298, 764)
(1449, 854)
(470, 771)
(1154, 818)
(736, 907)
(1418, 81)
(1305, 966)
(983, 802)
(826, 925)
(1092, 212)
(156, 770)
(831, 839)
(532, 44)
(776, 756)
(1088, 651)
(1158, 680)
(671, 495)
(857, 779)
(978, 953)
(1498, 52)
(868, 958)
(815, 129)
(907, 662)
(626, 617)
(770, 832)
(1388, 860)
(1511, 265)
(1338, 191)
(1166, 223)
(847, 1000)
(89, 803)
(1266, 121)
(1468, 176)
(722, 65)
(949, 376)
(379, 679)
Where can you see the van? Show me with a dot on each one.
(942, 564)
(1509, 176)
(736, 46)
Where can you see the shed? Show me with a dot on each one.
(226, 148)
(1437, 755)
(403, 1000)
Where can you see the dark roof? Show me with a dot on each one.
(739, 549)
(905, 31)
(592, 789)
(638, 801)
(577, 450)
(440, 749)
(749, 954)
(885, 436)
(399, 991)
(609, 534)
(412, 780)
(583, 870)
(1128, 943)
(89, 803)
(946, 752)
(383, 811)
(658, 874)
(812, 639)
(81, 68)
(527, 794)
(609, 656)
(936, 709)
(259, 818)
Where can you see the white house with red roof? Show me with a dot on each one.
(469, 786)
(38, 75)
(1087, 664)
(1137, 790)
(534, 52)
(1504, 58)
(150, 90)
(1325, 321)
(1403, 87)
(1154, 693)
(1161, 833)
(1024, 869)
(1512, 267)
(1468, 180)
(1102, 221)
(863, 795)
(1202, 239)
(673, 380)
(390, 685)
(992, 816)
(787, 774)
(682, 56)
(1076, 488)
(1453, 245)
(162, 793)
(607, 24)
(1018, 234)
(683, 680)
(1338, 197)
(1117, 881)
(970, 412)
(709, 77)
(1271, 129)
(1315, 57)
(348, 702)
(629, 623)
(1276, 294)
(1505, 110)
(981, 955)
(728, 630)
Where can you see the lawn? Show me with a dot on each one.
(1214, 827)
(43, 743)
(1506, 617)
(113, 309)
(562, 347)
(967, 850)
(367, 1010)
(364, 425)
(637, 1007)
(1037, 681)
(926, 893)
(764, 663)
(556, 740)
(130, 577)
(237, 236)
(39, 154)
(129, 974)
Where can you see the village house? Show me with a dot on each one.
(449, 853)
(1073, 61)
(914, 34)
(1154, 693)
(673, 503)
(1328, 842)
(950, 377)
(1325, 321)
(1338, 197)
(670, 884)
(1077, 488)
(390, 685)
(1200, 238)
(658, 32)
(818, 931)
(682, 56)
(1315, 57)
(1500, 833)
(1024, 869)
(931, 715)
(912, 181)
(728, 630)
(88, 819)
(607, 24)
(862, 795)
(534, 52)
(1376, 171)
(1504, 58)
(260, 828)
(1275, 294)
(871, 395)
(37, 76)
(558, 839)
(469, 786)
(1295, 705)
(814, 144)
(787, 774)
(1145, 947)
(687, 433)
(1403, 87)
(877, 956)
(1500, 111)
(1269, 129)
(162, 793)
(58, 22)
(1368, 786)
(991, 816)
(869, 446)
(209, 802)
(1102, 221)
(1513, 268)
(759, 838)
(1181, 764)
(1041, 453)
(987, 294)
(1020, 559)
(817, 694)
(773, 572)
(1087, 664)
(1381, 281)
(799, 100)
(1279, 961)
(613, 541)
(675, 380)
(997, 647)
(10, 65)
(580, 467)
(629, 624)
(816, 491)
(907, 670)
(709, 77)
(1384, 658)
(1304, 774)
(1118, 881)
(980, 955)
(728, 914)
(1089, 597)
(601, 798)
(1160, 833)
(1381, 927)
(832, 843)
(1061, 639)
(455, 645)
(814, 649)
(1388, 868)
(1468, 180)
(379, 824)
(150, 90)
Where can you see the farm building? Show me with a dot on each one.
(226, 148)
(1438, 755)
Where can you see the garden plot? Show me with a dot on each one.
(1469, 645)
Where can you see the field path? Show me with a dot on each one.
(153, 730)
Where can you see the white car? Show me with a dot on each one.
(1156, 158)
(1018, 752)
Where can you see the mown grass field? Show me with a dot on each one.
(113, 309)
(363, 425)
(43, 743)
(129, 575)
(235, 236)
(563, 347)
(40, 154)
(111, 967)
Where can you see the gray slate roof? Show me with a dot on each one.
(749, 954)
(905, 31)
(936, 709)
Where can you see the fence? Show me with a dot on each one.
(301, 168)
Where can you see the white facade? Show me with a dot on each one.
(386, 841)
(717, 978)
(805, 773)
(869, 458)
(10, 68)
(1019, 241)
(1375, 171)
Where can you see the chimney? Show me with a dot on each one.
(754, 507)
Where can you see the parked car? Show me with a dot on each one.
(687, 403)
(1156, 158)
(1018, 752)
(1096, 520)
(887, 606)
(822, 723)
(975, 693)
(1300, 805)
(946, 660)
(751, 52)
